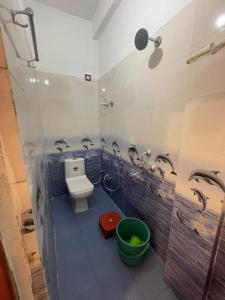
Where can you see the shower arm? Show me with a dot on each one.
(157, 42)
(107, 104)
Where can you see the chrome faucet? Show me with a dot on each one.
(135, 174)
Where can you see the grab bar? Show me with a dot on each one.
(210, 49)
(29, 12)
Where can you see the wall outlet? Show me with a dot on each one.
(87, 77)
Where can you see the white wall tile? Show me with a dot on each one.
(205, 27)
(203, 123)
(207, 76)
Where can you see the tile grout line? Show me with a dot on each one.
(160, 293)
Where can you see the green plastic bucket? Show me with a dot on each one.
(133, 260)
(128, 227)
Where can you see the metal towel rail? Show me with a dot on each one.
(29, 12)
(212, 48)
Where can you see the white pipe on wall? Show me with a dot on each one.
(212, 48)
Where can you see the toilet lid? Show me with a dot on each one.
(79, 184)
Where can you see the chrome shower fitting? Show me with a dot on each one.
(115, 148)
(107, 104)
(146, 154)
(137, 161)
(143, 163)
(135, 174)
(142, 38)
(157, 42)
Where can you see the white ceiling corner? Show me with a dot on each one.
(81, 8)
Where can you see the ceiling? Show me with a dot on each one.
(81, 8)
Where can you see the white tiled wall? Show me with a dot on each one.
(164, 104)
(202, 143)
(149, 90)
(65, 42)
(69, 109)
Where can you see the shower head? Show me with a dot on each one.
(142, 38)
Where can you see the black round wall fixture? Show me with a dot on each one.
(142, 38)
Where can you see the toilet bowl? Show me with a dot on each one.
(78, 185)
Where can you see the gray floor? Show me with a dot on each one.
(88, 266)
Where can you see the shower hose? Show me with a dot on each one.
(108, 177)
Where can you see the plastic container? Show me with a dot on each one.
(108, 222)
(133, 260)
(126, 229)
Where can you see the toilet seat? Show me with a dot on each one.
(79, 184)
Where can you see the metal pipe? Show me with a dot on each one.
(157, 42)
(214, 253)
(28, 12)
(212, 48)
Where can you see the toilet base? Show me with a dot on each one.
(80, 205)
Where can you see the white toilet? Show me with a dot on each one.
(79, 186)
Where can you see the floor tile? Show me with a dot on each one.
(92, 293)
(167, 294)
(89, 267)
(75, 276)
(151, 283)
(116, 285)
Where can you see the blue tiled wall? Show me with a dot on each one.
(139, 197)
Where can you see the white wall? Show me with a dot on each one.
(67, 52)
(70, 110)
(65, 42)
(103, 14)
(74, 52)
(149, 98)
(100, 13)
(117, 40)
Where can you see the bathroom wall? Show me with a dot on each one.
(163, 104)
(70, 111)
(61, 72)
(193, 231)
(149, 90)
(74, 52)
(144, 196)
(67, 100)
(217, 287)
(116, 41)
